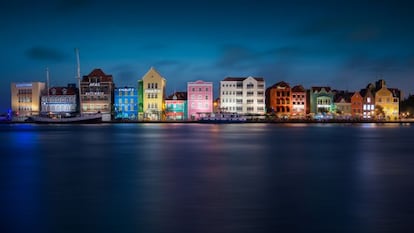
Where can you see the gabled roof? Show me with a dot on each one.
(343, 95)
(279, 84)
(60, 90)
(181, 95)
(152, 69)
(318, 89)
(298, 88)
(98, 73)
(242, 78)
(395, 92)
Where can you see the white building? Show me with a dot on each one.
(60, 101)
(25, 98)
(243, 95)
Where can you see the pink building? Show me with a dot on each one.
(199, 99)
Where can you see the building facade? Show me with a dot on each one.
(126, 103)
(60, 101)
(321, 101)
(176, 106)
(279, 100)
(298, 102)
(25, 98)
(153, 91)
(200, 99)
(243, 95)
(342, 105)
(97, 91)
(357, 105)
(387, 104)
(368, 102)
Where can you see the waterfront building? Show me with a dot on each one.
(243, 95)
(25, 98)
(140, 100)
(153, 90)
(200, 99)
(126, 103)
(321, 101)
(342, 104)
(97, 91)
(357, 102)
(368, 101)
(298, 102)
(60, 101)
(176, 106)
(279, 100)
(386, 102)
(216, 105)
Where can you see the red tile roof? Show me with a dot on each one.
(98, 73)
(59, 90)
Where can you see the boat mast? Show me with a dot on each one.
(47, 89)
(78, 77)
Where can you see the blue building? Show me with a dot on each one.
(126, 103)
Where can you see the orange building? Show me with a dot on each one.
(279, 99)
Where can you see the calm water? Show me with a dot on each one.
(207, 178)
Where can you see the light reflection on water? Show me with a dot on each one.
(207, 178)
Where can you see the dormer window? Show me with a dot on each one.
(53, 91)
(64, 91)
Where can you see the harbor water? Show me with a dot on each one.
(207, 178)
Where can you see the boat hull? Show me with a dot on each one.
(90, 119)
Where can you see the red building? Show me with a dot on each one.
(279, 99)
(356, 105)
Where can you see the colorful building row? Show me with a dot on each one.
(242, 95)
(376, 101)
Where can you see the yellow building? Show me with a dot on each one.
(153, 87)
(25, 98)
(387, 104)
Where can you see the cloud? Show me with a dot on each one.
(45, 54)
(233, 56)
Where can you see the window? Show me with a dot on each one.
(156, 85)
(206, 88)
(206, 97)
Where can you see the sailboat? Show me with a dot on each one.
(80, 118)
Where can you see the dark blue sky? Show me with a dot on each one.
(344, 44)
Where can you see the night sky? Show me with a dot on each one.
(343, 44)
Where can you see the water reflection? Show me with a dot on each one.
(206, 178)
